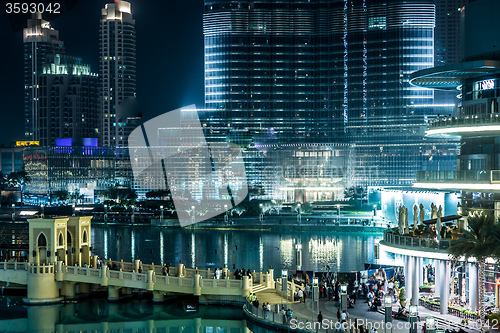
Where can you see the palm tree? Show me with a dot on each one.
(478, 242)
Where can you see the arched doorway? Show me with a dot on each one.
(42, 249)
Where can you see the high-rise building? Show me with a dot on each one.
(448, 41)
(61, 92)
(332, 73)
(40, 40)
(118, 71)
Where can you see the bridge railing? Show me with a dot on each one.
(13, 266)
(41, 269)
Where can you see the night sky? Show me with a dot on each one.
(169, 56)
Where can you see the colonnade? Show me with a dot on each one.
(413, 272)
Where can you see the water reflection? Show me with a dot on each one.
(255, 250)
(134, 316)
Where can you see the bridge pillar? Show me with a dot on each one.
(104, 275)
(180, 270)
(137, 264)
(247, 288)
(197, 286)
(59, 271)
(158, 296)
(42, 287)
(113, 293)
(68, 289)
(83, 288)
(270, 278)
(150, 280)
(93, 261)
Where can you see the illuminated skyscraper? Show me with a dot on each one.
(61, 93)
(305, 77)
(118, 71)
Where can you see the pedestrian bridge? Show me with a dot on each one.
(122, 281)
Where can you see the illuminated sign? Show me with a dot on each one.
(27, 143)
(487, 84)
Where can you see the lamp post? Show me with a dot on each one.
(343, 297)
(43, 210)
(338, 213)
(261, 217)
(161, 213)
(73, 209)
(226, 218)
(298, 255)
(298, 214)
(105, 213)
(284, 287)
(194, 214)
(315, 296)
(13, 212)
(413, 318)
(133, 213)
(388, 311)
(430, 324)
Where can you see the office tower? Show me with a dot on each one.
(40, 40)
(118, 71)
(61, 92)
(448, 41)
(313, 79)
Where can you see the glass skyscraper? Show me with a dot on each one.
(61, 93)
(299, 74)
(117, 51)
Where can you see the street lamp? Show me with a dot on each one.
(133, 213)
(105, 213)
(43, 210)
(298, 215)
(73, 209)
(226, 218)
(343, 297)
(388, 311)
(161, 213)
(13, 212)
(315, 295)
(338, 213)
(374, 210)
(194, 214)
(298, 256)
(261, 218)
(284, 286)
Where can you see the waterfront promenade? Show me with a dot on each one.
(304, 313)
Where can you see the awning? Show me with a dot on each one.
(443, 219)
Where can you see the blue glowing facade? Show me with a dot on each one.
(326, 72)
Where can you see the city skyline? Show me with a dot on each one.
(159, 70)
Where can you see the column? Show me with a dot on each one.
(420, 270)
(473, 287)
(409, 277)
(442, 284)
(415, 281)
(437, 276)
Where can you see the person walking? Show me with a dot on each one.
(320, 317)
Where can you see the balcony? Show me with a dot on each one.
(479, 180)
(417, 246)
(485, 124)
(470, 176)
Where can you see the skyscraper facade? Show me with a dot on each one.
(118, 71)
(61, 92)
(332, 73)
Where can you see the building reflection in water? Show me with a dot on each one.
(248, 249)
(98, 315)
